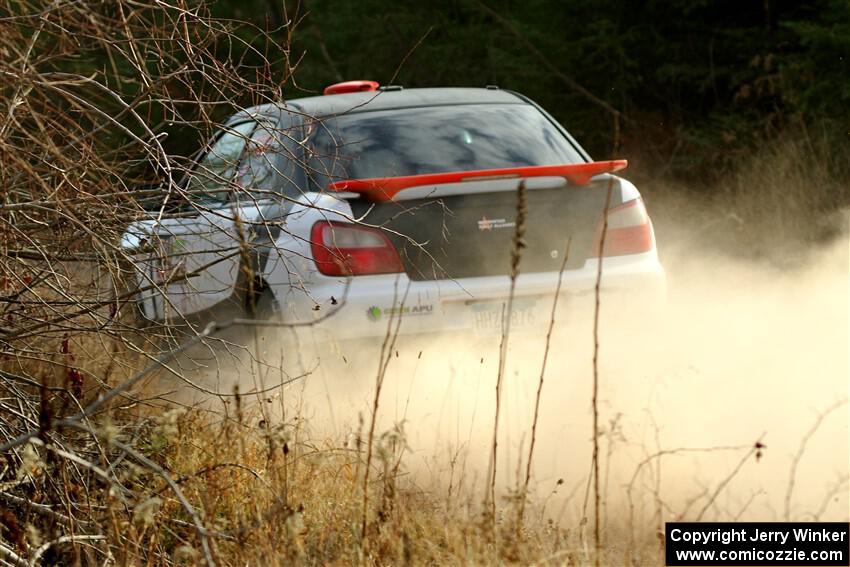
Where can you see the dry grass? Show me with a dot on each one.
(786, 199)
(270, 497)
(293, 501)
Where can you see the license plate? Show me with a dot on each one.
(487, 318)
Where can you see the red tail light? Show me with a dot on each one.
(342, 249)
(629, 231)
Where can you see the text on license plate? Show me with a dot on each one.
(488, 317)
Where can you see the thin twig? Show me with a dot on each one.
(756, 448)
(548, 342)
(36, 556)
(597, 292)
(516, 255)
(792, 475)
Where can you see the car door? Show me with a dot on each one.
(197, 253)
(236, 195)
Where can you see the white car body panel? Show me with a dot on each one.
(273, 234)
(429, 306)
(359, 304)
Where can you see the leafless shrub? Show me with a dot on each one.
(89, 95)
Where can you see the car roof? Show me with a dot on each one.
(327, 105)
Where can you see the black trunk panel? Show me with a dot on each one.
(471, 235)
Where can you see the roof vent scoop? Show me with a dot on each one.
(352, 87)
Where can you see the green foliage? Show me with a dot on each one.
(819, 72)
(700, 82)
(718, 77)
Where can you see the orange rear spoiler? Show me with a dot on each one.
(381, 189)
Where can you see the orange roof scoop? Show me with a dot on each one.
(352, 87)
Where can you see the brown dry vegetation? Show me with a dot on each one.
(750, 351)
(289, 488)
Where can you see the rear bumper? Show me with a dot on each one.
(371, 306)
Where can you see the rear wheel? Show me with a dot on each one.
(273, 343)
(260, 302)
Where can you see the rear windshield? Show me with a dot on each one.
(437, 139)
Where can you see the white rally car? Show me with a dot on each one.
(373, 203)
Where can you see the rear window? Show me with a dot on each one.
(437, 139)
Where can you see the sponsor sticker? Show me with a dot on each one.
(486, 224)
(375, 313)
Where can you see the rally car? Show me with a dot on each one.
(341, 212)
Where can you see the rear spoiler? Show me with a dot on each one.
(381, 189)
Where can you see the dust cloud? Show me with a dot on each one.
(741, 352)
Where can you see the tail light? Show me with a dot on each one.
(629, 231)
(342, 249)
